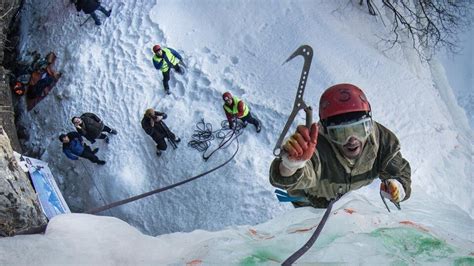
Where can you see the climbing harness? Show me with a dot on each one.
(307, 53)
(283, 196)
(137, 197)
(203, 136)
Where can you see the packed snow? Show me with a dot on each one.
(232, 215)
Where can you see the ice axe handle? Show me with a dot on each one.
(309, 116)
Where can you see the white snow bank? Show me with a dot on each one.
(357, 232)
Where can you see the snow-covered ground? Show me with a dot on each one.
(239, 46)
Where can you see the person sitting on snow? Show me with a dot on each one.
(164, 59)
(352, 150)
(156, 128)
(74, 147)
(91, 127)
(42, 75)
(235, 108)
(89, 7)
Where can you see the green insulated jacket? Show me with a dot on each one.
(329, 173)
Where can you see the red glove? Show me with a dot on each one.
(300, 146)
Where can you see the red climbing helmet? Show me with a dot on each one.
(341, 99)
(156, 48)
(226, 96)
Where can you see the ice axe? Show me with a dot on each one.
(307, 52)
(397, 204)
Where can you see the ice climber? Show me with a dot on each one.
(89, 7)
(352, 151)
(92, 127)
(235, 108)
(164, 59)
(74, 147)
(156, 128)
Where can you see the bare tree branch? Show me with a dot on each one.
(4, 14)
(430, 24)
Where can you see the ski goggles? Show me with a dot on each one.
(341, 134)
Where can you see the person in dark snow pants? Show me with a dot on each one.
(89, 7)
(164, 59)
(155, 127)
(74, 147)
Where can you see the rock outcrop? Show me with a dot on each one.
(20, 212)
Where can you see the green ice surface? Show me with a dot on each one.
(464, 261)
(414, 244)
(277, 254)
(259, 257)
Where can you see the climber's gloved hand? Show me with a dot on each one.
(392, 190)
(233, 122)
(299, 148)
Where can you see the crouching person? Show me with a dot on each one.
(74, 147)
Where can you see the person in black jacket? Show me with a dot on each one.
(154, 126)
(74, 147)
(89, 7)
(91, 127)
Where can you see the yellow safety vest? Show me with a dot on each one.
(235, 107)
(173, 60)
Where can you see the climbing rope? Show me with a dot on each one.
(137, 197)
(300, 252)
(94, 184)
(203, 136)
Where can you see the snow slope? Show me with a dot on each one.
(239, 46)
(460, 72)
(357, 233)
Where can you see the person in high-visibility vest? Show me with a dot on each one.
(235, 108)
(164, 59)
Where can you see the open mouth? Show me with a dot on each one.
(351, 151)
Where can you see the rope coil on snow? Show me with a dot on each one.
(203, 135)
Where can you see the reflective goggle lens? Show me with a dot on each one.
(340, 134)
